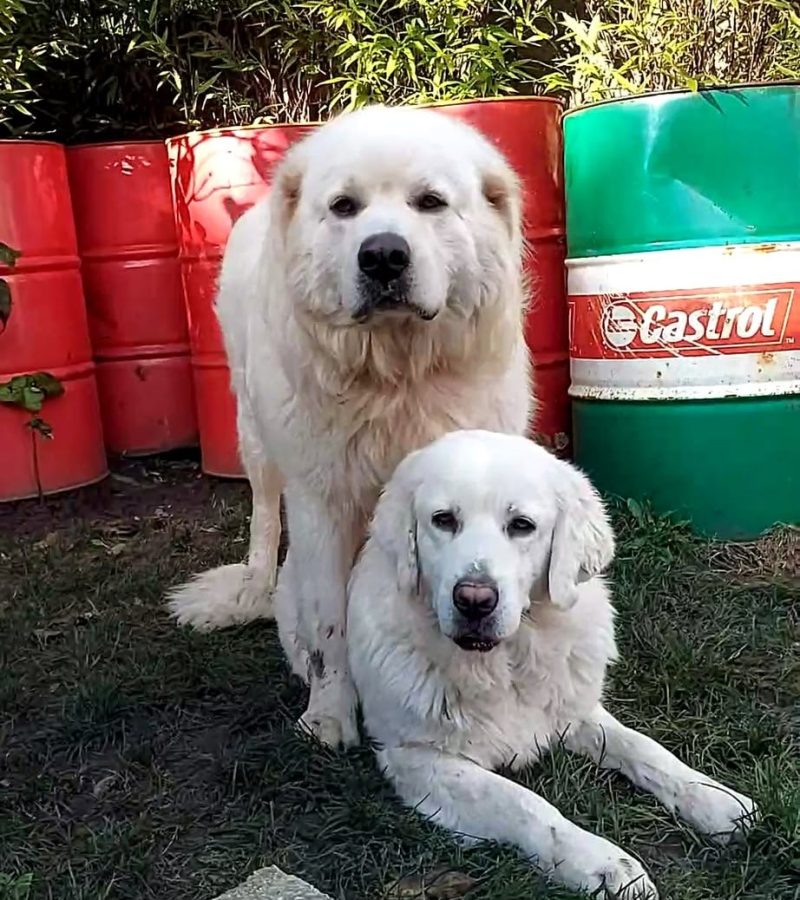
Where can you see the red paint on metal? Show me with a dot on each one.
(528, 132)
(47, 330)
(131, 275)
(216, 177)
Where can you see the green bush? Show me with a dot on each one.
(78, 69)
(101, 69)
(625, 47)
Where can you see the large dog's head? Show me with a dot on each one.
(480, 524)
(395, 212)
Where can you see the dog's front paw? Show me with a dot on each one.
(715, 810)
(328, 730)
(333, 724)
(602, 869)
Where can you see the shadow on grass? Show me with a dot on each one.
(141, 761)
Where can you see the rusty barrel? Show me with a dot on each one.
(216, 176)
(46, 329)
(131, 275)
(527, 131)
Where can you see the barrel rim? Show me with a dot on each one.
(316, 123)
(30, 141)
(676, 92)
(225, 130)
(535, 98)
(729, 250)
(91, 145)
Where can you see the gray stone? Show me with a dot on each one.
(273, 884)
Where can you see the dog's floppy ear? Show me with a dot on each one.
(286, 187)
(394, 528)
(501, 188)
(583, 542)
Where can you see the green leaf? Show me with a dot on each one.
(48, 384)
(29, 392)
(8, 256)
(32, 398)
(635, 508)
(5, 304)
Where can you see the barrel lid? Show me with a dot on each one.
(682, 169)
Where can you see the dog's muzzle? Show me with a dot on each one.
(475, 599)
(384, 261)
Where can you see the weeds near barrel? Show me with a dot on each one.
(27, 392)
(141, 761)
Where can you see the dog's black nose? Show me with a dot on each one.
(384, 257)
(475, 598)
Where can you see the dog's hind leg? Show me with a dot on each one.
(240, 592)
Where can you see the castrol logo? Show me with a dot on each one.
(683, 323)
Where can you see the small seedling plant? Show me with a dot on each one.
(27, 392)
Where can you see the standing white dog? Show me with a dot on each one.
(372, 303)
(479, 633)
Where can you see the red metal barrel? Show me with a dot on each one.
(131, 275)
(47, 329)
(216, 176)
(528, 132)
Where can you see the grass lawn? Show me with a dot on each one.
(141, 761)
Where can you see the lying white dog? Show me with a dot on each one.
(479, 632)
(372, 303)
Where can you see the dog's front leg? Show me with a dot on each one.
(321, 547)
(711, 808)
(478, 804)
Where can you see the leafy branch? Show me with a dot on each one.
(26, 392)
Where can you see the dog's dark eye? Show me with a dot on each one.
(344, 207)
(430, 201)
(520, 526)
(445, 521)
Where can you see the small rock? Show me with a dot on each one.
(273, 884)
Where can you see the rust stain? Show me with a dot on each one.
(765, 248)
(766, 359)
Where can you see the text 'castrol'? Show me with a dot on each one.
(685, 323)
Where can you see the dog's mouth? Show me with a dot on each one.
(389, 301)
(474, 642)
(390, 307)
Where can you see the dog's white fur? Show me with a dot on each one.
(328, 405)
(444, 717)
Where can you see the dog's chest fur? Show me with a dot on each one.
(399, 397)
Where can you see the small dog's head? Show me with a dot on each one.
(480, 524)
(395, 213)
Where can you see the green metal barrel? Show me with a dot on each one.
(683, 237)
